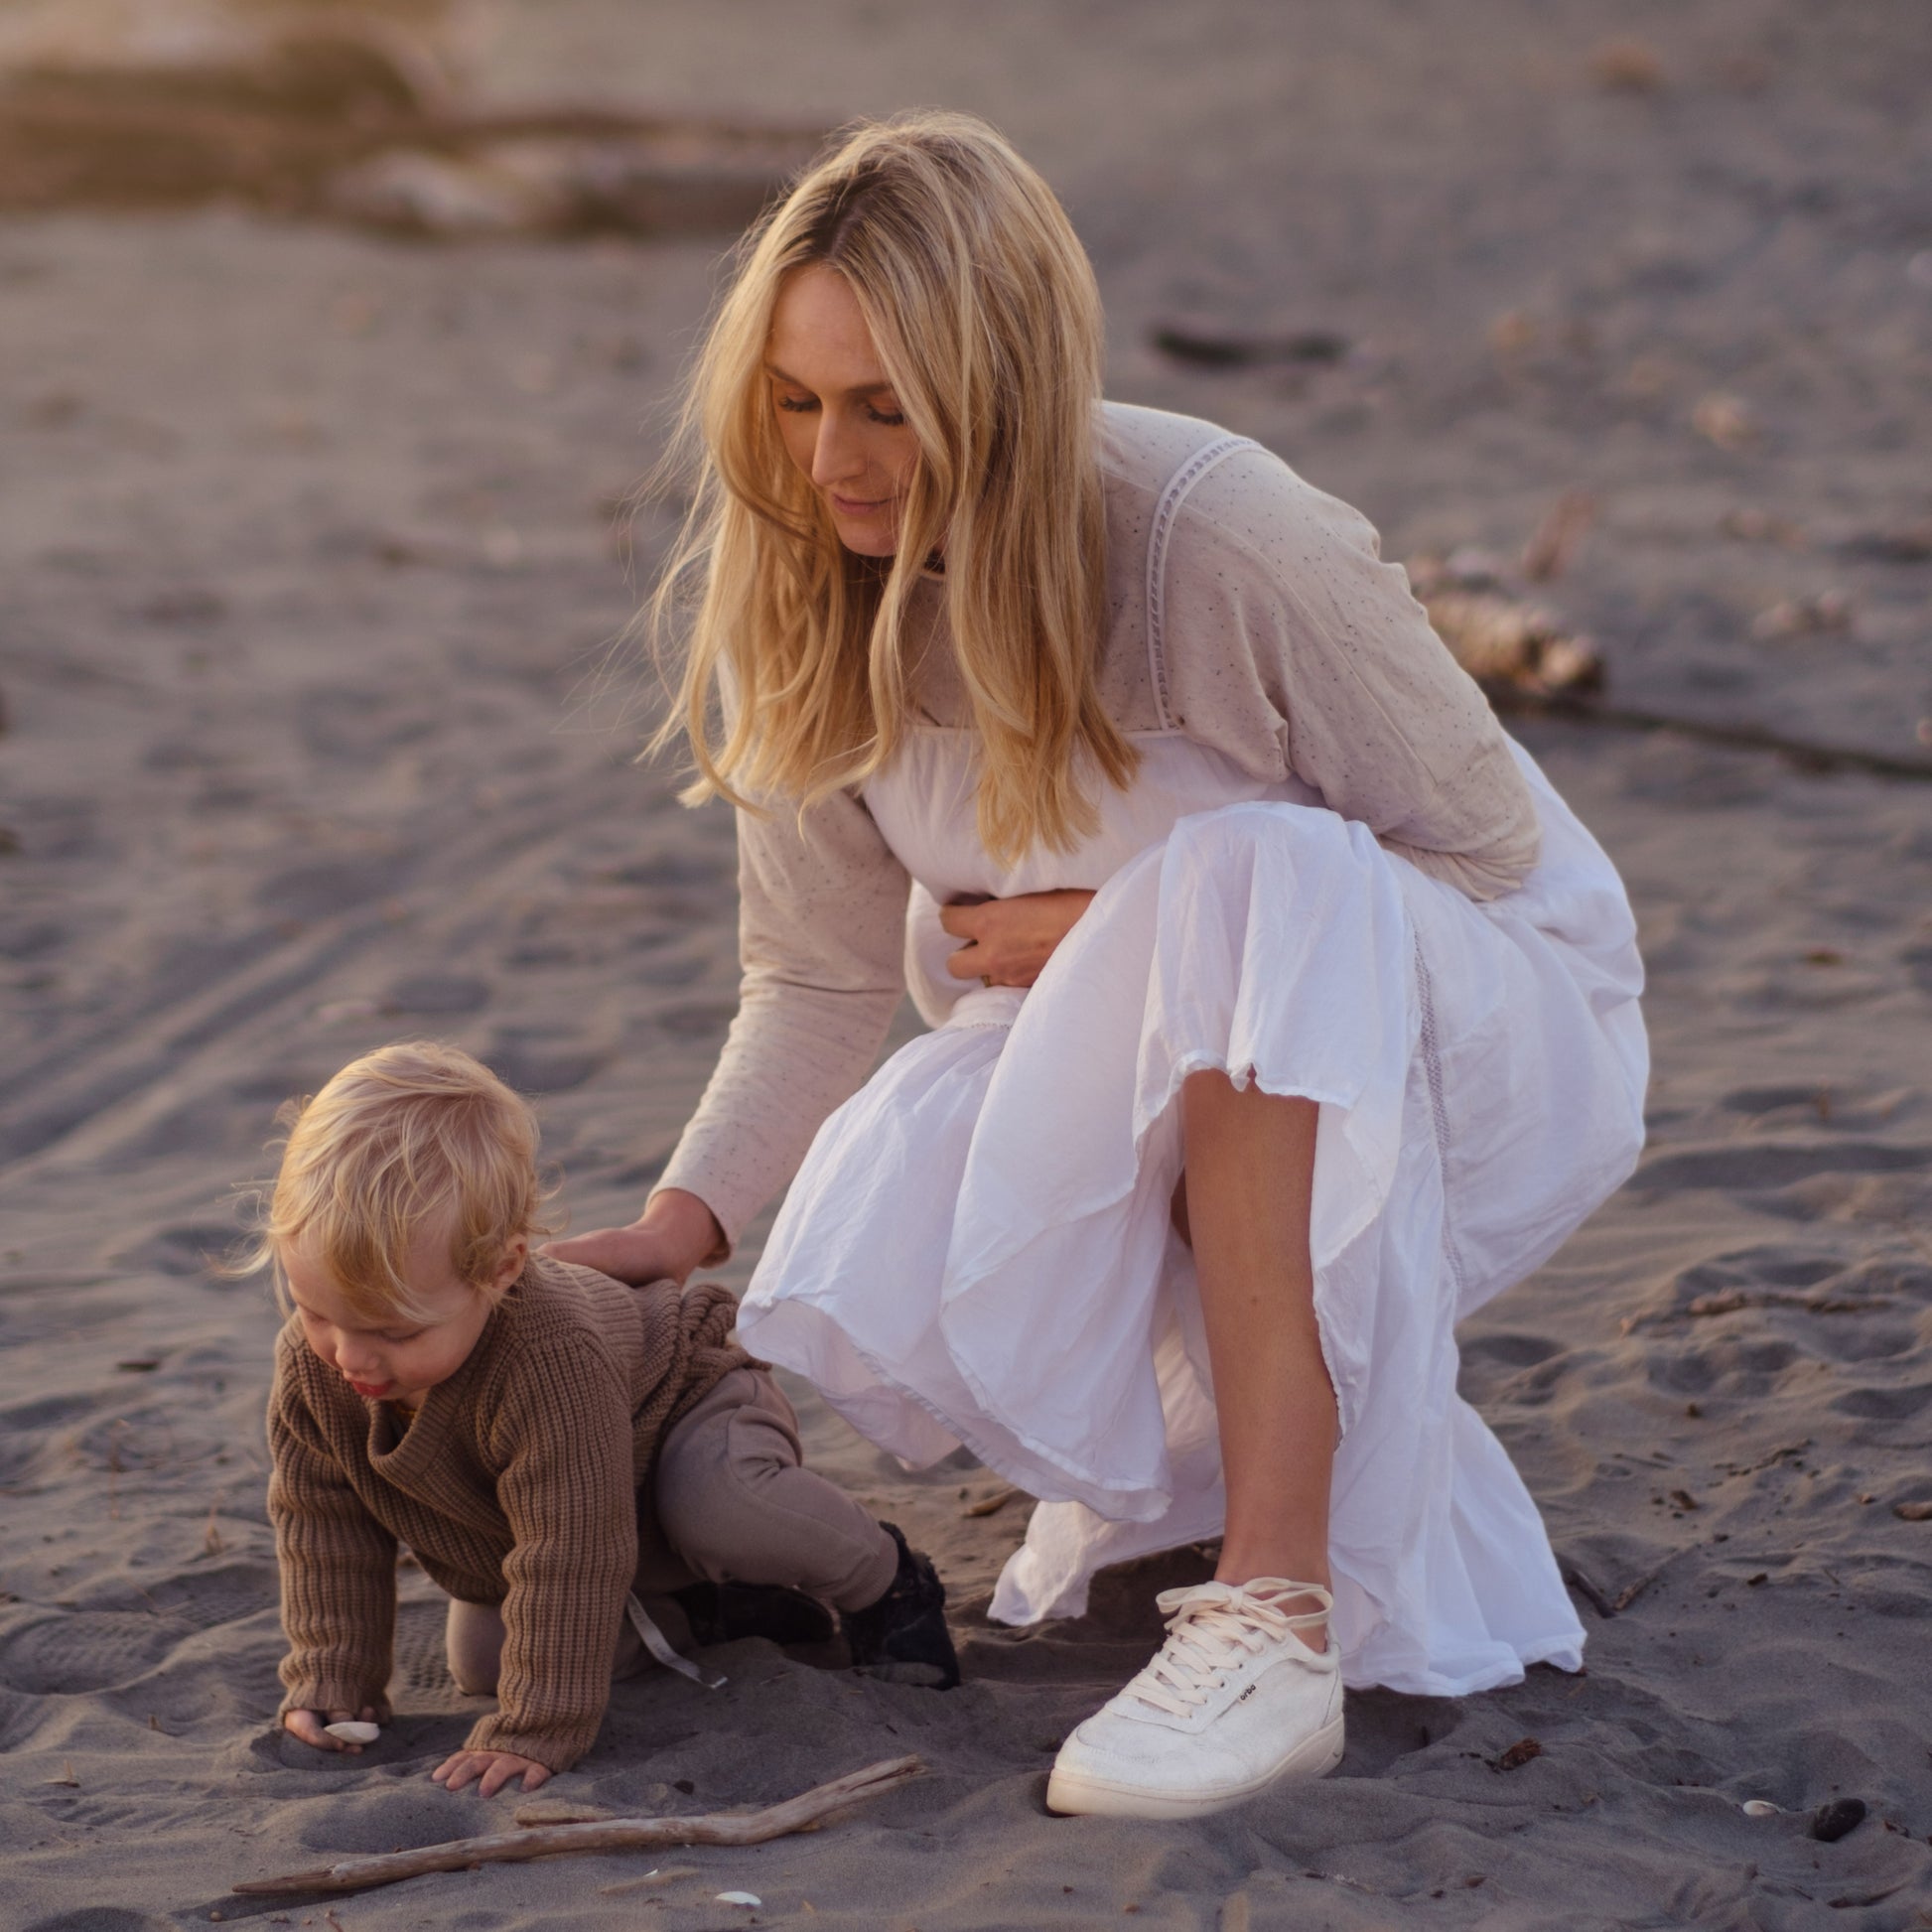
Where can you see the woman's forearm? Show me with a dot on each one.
(688, 1230)
(795, 1054)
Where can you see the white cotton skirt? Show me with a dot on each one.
(978, 1248)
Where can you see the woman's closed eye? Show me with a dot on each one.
(805, 405)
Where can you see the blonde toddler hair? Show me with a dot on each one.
(986, 317)
(411, 1136)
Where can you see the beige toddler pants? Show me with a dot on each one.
(730, 1501)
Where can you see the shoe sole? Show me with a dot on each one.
(1074, 1794)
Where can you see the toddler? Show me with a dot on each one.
(552, 1446)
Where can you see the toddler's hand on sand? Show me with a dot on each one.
(675, 1233)
(311, 1728)
(495, 1768)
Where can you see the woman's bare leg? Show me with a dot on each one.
(1233, 1702)
(1250, 1176)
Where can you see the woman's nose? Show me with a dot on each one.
(836, 456)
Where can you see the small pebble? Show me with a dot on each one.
(1761, 1808)
(1829, 1823)
(1726, 420)
(739, 1898)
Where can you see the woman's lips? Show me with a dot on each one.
(854, 507)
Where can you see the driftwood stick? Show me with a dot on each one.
(607, 1835)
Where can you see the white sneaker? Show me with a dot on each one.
(1233, 1703)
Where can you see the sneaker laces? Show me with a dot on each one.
(1213, 1628)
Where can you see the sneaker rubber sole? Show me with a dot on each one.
(1076, 1794)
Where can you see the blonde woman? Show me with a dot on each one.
(1281, 1013)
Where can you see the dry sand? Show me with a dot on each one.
(310, 562)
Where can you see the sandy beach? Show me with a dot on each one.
(318, 732)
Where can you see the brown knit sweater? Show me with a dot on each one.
(516, 1484)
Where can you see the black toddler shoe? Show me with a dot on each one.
(725, 1612)
(903, 1637)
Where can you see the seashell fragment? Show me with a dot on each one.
(739, 1898)
(1761, 1808)
(351, 1731)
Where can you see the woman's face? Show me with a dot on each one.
(839, 418)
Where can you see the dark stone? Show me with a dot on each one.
(1829, 1823)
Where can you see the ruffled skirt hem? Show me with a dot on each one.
(978, 1248)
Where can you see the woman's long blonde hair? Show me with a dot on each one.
(986, 320)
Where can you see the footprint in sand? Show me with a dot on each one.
(44, 1413)
(1510, 1350)
(1884, 1405)
(535, 1065)
(207, 1599)
(86, 1650)
(421, 1677)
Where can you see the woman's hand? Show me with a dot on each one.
(311, 1728)
(1009, 940)
(495, 1768)
(674, 1234)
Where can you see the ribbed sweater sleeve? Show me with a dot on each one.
(821, 936)
(558, 1430)
(1288, 640)
(337, 1565)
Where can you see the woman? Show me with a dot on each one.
(1331, 1031)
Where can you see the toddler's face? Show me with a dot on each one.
(398, 1360)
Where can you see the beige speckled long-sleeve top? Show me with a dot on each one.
(1248, 610)
(516, 1484)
